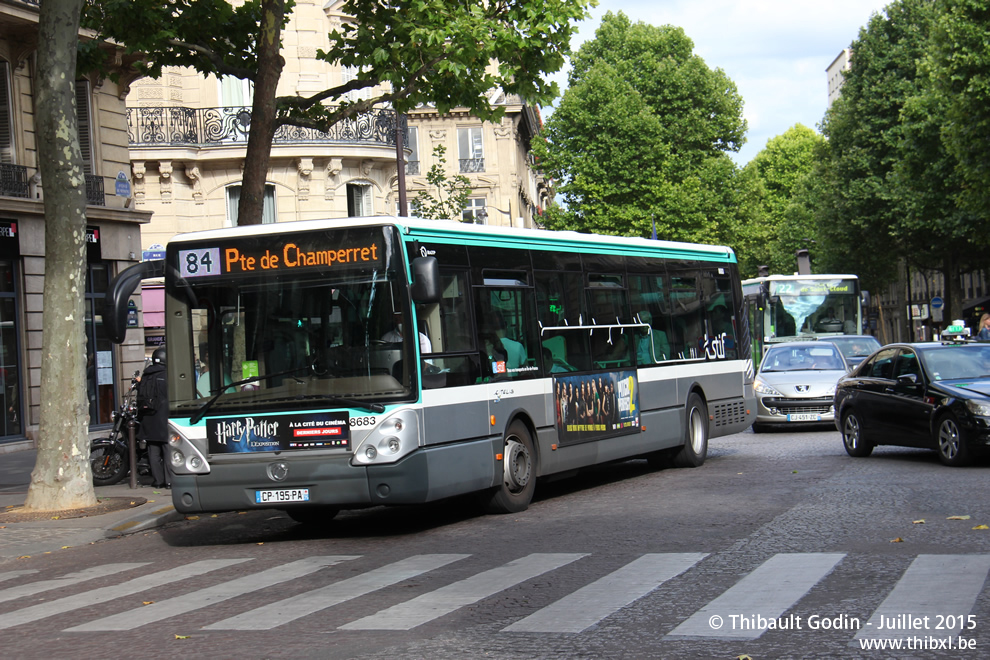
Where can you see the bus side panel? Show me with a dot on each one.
(452, 414)
(461, 468)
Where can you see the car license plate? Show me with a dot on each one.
(804, 417)
(282, 495)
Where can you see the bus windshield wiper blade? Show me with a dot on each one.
(344, 401)
(253, 379)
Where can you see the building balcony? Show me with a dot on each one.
(169, 126)
(15, 182)
(471, 165)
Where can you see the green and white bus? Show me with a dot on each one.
(801, 307)
(316, 366)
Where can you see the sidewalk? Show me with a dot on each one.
(19, 539)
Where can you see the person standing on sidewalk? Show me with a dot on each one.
(153, 416)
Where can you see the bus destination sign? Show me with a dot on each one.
(257, 258)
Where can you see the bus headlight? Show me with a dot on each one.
(184, 456)
(392, 438)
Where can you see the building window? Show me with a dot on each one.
(470, 148)
(358, 199)
(475, 211)
(236, 92)
(412, 164)
(84, 115)
(6, 115)
(234, 199)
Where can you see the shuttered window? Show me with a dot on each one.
(6, 130)
(85, 125)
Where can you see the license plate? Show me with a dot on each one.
(804, 417)
(282, 495)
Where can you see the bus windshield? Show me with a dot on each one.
(317, 327)
(814, 306)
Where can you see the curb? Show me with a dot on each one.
(149, 520)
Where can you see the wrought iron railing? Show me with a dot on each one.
(167, 126)
(94, 190)
(13, 181)
(412, 167)
(472, 164)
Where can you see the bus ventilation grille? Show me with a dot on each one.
(730, 413)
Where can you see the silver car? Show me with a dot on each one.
(796, 384)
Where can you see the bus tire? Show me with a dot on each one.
(312, 515)
(518, 473)
(695, 448)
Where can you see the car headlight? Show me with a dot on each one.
(762, 388)
(979, 408)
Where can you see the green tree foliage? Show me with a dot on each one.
(783, 225)
(864, 133)
(643, 133)
(407, 52)
(452, 193)
(958, 65)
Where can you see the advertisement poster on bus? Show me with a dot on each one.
(278, 433)
(593, 406)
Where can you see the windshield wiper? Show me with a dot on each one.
(336, 400)
(253, 379)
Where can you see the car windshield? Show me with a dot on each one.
(958, 362)
(824, 357)
(855, 346)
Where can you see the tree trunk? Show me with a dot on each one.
(259, 147)
(61, 478)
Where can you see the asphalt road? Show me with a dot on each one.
(779, 546)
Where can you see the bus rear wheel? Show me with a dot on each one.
(518, 473)
(695, 448)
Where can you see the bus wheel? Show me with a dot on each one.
(518, 473)
(695, 448)
(312, 515)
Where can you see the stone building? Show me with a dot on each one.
(113, 231)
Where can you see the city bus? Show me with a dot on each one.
(801, 307)
(315, 366)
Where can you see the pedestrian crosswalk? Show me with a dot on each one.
(764, 597)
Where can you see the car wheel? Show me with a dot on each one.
(852, 436)
(518, 473)
(312, 515)
(951, 443)
(695, 448)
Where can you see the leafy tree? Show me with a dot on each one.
(958, 66)
(452, 193)
(407, 52)
(642, 133)
(782, 227)
(61, 478)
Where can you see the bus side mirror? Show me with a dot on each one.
(426, 280)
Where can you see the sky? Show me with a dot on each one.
(775, 51)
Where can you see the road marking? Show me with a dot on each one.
(933, 585)
(592, 603)
(769, 591)
(10, 575)
(104, 594)
(445, 600)
(290, 609)
(66, 580)
(218, 593)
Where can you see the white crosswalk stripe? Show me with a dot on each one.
(589, 605)
(290, 609)
(447, 599)
(66, 580)
(769, 591)
(104, 594)
(933, 586)
(204, 597)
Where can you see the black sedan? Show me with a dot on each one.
(934, 395)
